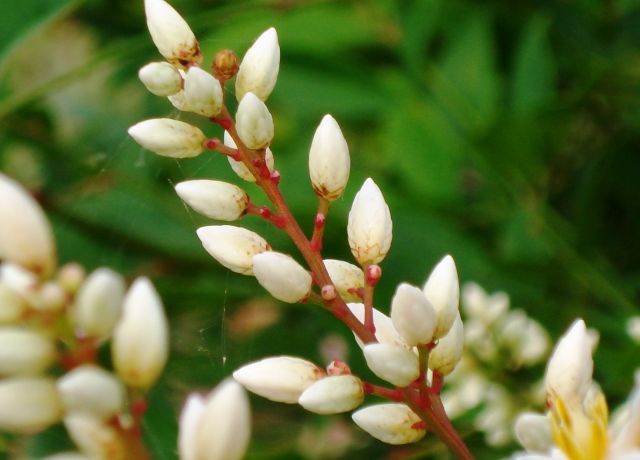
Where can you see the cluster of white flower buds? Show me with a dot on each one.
(576, 424)
(497, 340)
(56, 318)
(412, 349)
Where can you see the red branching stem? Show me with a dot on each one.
(217, 145)
(423, 360)
(319, 224)
(392, 394)
(290, 225)
(372, 274)
(437, 380)
(84, 352)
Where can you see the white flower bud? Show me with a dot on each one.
(569, 370)
(169, 138)
(140, 341)
(329, 160)
(98, 303)
(258, 70)
(24, 352)
(28, 405)
(413, 315)
(233, 247)
(534, 432)
(239, 167)
(487, 308)
(385, 332)
(390, 423)
(370, 227)
(26, 238)
(218, 427)
(333, 395)
(171, 34)
(161, 78)
(282, 276)
(92, 390)
(254, 123)
(179, 101)
(345, 277)
(94, 437)
(280, 379)
(214, 199)
(446, 355)
(202, 92)
(11, 305)
(51, 298)
(443, 291)
(67, 456)
(394, 364)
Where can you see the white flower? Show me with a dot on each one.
(169, 138)
(215, 199)
(395, 364)
(90, 389)
(390, 423)
(28, 405)
(333, 395)
(254, 123)
(281, 378)
(94, 437)
(141, 338)
(26, 238)
(202, 92)
(24, 351)
(413, 315)
(259, 68)
(282, 276)
(446, 355)
(443, 291)
(239, 167)
(98, 303)
(329, 160)
(370, 227)
(171, 34)
(161, 78)
(233, 247)
(346, 277)
(533, 432)
(216, 427)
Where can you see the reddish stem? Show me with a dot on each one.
(392, 394)
(319, 224)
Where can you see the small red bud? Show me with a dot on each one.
(275, 177)
(320, 220)
(329, 292)
(373, 275)
(337, 367)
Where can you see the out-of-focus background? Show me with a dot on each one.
(504, 133)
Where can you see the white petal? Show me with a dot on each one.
(443, 291)
(413, 315)
(447, 353)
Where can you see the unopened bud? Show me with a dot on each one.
(280, 379)
(95, 437)
(179, 101)
(254, 123)
(385, 332)
(24, 351)
(202, 92)
(443, 291)
(218, 427)
(233, 247)
(413, 315)
(141, 338)
(259, 67)
(446, 355)
(19, 280)
(171, 34)
(169, 138)
(570, 367)
(329, 160)
(98, 303)
(52, 298)
(225, 65)
(11, 305)
(333, 395)
(160, 78)
(392, 363)
(390, 423)
(282, 276)
(370, 227)
(26, 238)
(28, 405)
(215, 199)
(346, 277)
(239, 167)
(71, 276)
(92, 390)
(534, 432)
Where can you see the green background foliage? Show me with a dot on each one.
(504, 133)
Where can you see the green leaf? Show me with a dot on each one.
(533, 85)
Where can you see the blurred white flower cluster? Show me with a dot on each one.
(52, 323)
(576, 425)
(499, 342)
